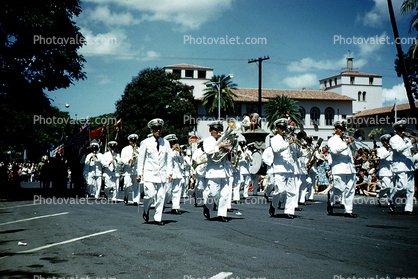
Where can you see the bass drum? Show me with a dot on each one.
(257, 166)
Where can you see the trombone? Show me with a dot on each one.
(299, 138)
(352, 134)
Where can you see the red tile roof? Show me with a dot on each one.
(383, 110)
(251, 95)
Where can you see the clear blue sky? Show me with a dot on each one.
(300, 37)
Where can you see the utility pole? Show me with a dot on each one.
(259, 60)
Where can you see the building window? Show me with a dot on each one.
(201, 74)
(330, 82)
(370, 81)
(364, 96)
(189, 73)
(351, 80)
(177, 72)
(325, 83)
(335, 81)
(359, 96)
(315, 116)
(251, 108)
(329, 116)
(344, 116)
(302, 115)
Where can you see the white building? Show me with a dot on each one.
(365, 89)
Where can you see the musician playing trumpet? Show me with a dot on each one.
(343, 171)
(402, 166)
(128, 158)
(283, 169)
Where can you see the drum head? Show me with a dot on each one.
(255, 162)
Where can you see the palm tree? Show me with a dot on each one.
(210, 99)
(408, 6)
(282, 107)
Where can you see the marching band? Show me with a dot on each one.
(220, 167)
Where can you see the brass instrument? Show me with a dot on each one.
(312, 160)
(299, 138)
(356, 141)
(233, 125)
(238, 157)
(134, 156)
(203, 160)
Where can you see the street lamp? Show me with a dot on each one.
(217, 84)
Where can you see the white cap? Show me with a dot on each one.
(156, 122)
(133, 137)
(171, 137)
(280, 122)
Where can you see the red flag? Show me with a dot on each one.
(59, 150)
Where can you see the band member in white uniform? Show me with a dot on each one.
(200, 161)
(402, 167)
(217, 174)
(244, 170)
(187, 164)
(313, 172)
(303, 157)
(385, 155)
(283, 169)
(129, 157)
(94, 177)
(173, 188)
(110, 162)
(343, 170)
(155, 169)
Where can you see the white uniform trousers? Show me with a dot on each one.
(131, 185)
(386, 187)
(200, 186)
(236, 182)
(405, 184)
(298, 183)
(154, 191)
(270, 184)
(186, 186)
(302, 188)
(343, 191)
(218, 191)
(111, 187)
(94, 184)
(310, 185)
(284, 189)
(173, 192)
(245, 183)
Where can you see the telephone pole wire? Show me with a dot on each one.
(259, 60)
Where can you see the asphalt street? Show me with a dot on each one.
(83, 238)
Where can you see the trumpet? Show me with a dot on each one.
(298, 138)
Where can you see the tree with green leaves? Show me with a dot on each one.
(282, 106)
(154, 93)
(210, 99)
(376, 131)
(35, 58)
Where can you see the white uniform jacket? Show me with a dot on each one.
(177, 160)
(303, 157)
(199, 157)
(222, 169)
(155, 166)
(110, 169)
(93, 163)
(402, 157)
(268, 158)
(187, 163)
(244, 164)
(342, 156)
(385, 161)
(283, 160)
(127, 154)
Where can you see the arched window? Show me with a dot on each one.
(302, 115)
(315, 116)
(364, 96)
(359, 96)
(329, 116)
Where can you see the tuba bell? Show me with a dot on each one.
(233, 125)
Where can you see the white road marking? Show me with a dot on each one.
(34, 218)
(19, 206)
(64, 242)
(221, 275)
